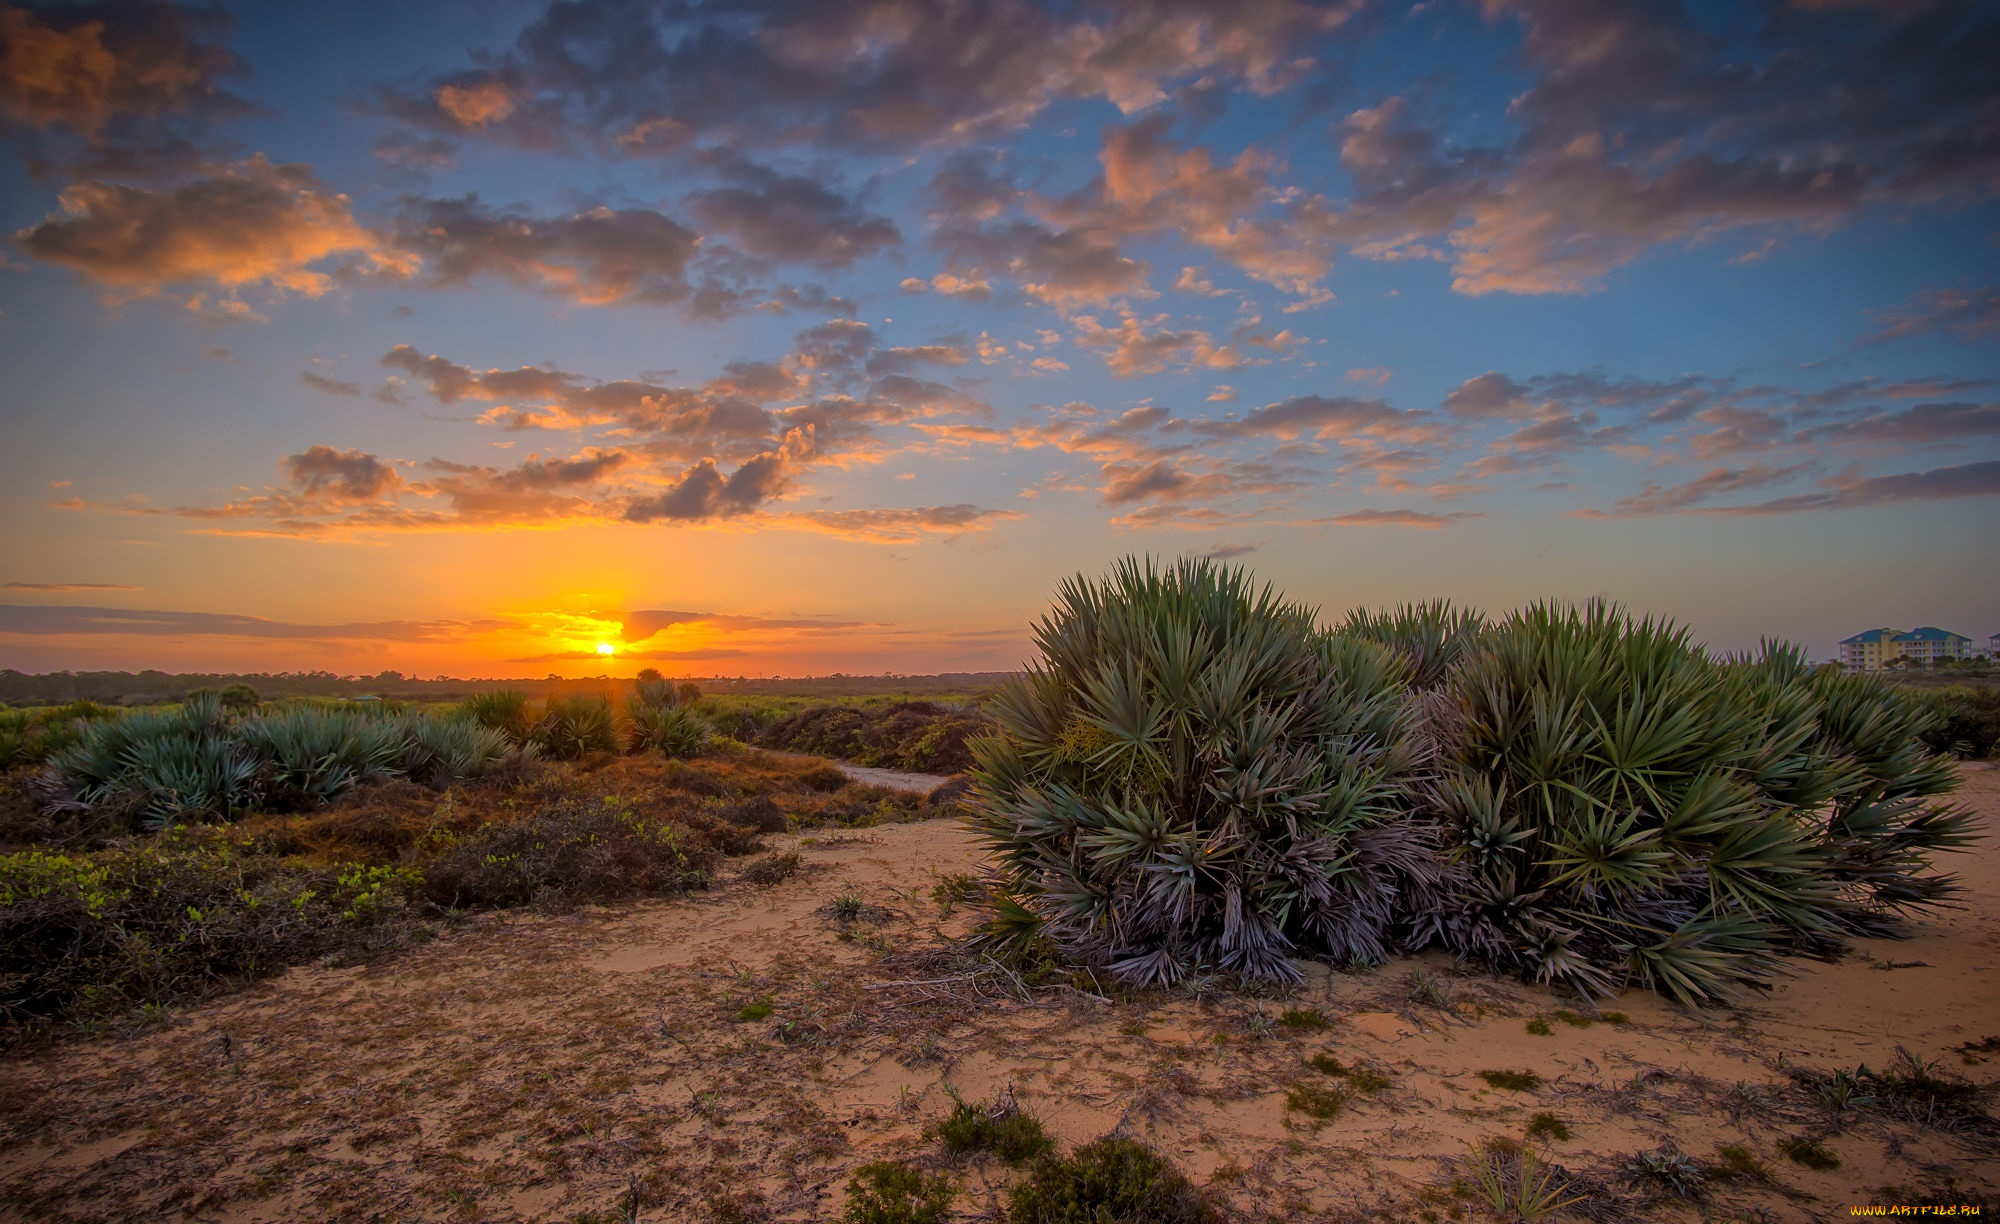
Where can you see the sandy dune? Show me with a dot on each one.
(528, 1068)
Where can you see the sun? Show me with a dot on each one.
(605, 648)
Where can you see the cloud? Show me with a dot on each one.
(877, 74)
(791, 218)
(1658, 499)
(638, 626)
(53, 620)
(1400, 518)
(1851, 490)
(1339, 418)
(321, 473)
(332, 386)
(1374, 376)
(1969, 314)
(252, 224)
(67, 586)
(703, 492)
(113, 88)
(1130, 351)
(598, 257)
(902, 526)
(1642, 126)
(1921, 424)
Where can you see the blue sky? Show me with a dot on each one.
(798, 337)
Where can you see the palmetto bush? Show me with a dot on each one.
(439, 752)
(1622, 807)
(1195, 776)
(312, 755)
(505, 711)
(573, 726)
(153, 768)
(663, 717)
(675, 731)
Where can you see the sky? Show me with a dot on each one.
(485, 338)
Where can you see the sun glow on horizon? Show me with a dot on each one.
(606, 648)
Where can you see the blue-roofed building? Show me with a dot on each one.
(1930, 645)
(1869, 651)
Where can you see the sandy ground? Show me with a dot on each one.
(544, 1068)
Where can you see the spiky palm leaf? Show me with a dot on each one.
(1194, 777)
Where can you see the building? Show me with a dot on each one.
(1930, 645)
(1870, 651)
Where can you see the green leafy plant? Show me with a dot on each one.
(571, 727)
(506, 711)
(1108, 1180)
(1666, 1169)
(1547, 1126)
(1517, 1186)
(1512, 1081)
(1305, 1020)
(1624, 807)
(891, 1192)
(674, 731)
(1002, 1128)
(1193, 776)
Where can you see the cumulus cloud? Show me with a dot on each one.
(321, 473)
(599, 257)
(1131, 351)
(125, 87)
(703, 492)
(882, 74)
(252, 224)
(791, 218)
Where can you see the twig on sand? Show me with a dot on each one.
(986, 980)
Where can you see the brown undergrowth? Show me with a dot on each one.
(110, 932)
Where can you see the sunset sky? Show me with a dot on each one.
(803, 336)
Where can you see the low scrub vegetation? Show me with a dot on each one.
(1196, 777)
(100, 929)
(917, 736)
(1111, 1179)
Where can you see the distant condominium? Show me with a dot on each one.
(1878, 648)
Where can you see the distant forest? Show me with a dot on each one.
(146, 687)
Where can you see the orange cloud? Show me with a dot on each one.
(250, 224)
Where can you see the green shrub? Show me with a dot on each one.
(1968, 720)
(506, 711)
(572, 849)
(1621, 806)
(312, 755)
(1193, 775)
(238, 698)
(441, 752)
(1110, 1180)
(675, 731)
(570, 727)
(1004, 1129)
(153, 768)
(890, 1192)
(167, 919)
